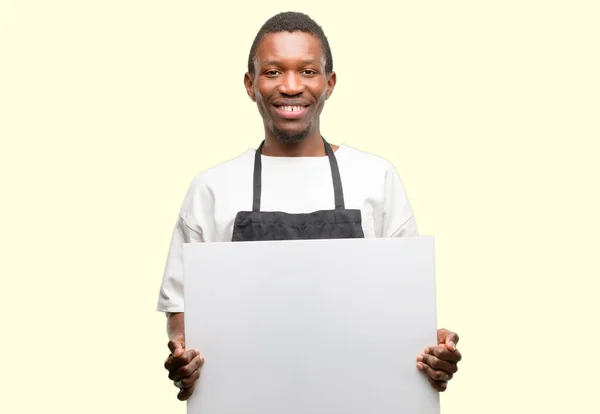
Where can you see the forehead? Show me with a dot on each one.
(289, 47)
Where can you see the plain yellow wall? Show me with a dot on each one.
(489, 111)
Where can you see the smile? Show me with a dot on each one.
(291, 108)
(291, 112)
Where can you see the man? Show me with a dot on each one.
(294, 186)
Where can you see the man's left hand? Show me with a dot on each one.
(440, 362)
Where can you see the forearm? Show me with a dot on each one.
(175, 325)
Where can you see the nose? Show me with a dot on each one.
(291, 84)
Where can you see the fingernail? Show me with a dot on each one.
(419, 358)
(452, 345)
(420, 366)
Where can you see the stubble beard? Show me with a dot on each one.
(290, 137)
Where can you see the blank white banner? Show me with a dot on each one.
(312, 326)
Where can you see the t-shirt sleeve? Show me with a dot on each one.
(398, 217)
(186, 230)
(171, 290)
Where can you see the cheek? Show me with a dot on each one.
(259, 95)
(260, 102)
(319, 90)
(321, 98)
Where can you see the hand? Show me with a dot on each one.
(183, 366)
(440, 362)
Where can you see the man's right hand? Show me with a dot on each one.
(183, 366)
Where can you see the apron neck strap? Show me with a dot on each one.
(335, 175)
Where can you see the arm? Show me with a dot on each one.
(183, 365)
(439, 362)
(175, 325)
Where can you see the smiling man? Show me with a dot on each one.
(290, 77)
(295, 185)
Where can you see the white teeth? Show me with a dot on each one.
(291, 108)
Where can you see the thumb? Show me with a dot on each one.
(448, 338)
(177, 346)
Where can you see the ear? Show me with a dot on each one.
(331, 84)
(249, 84)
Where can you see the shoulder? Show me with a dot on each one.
(221, 176)
(376, 172)
(363, 160)
(224, 172)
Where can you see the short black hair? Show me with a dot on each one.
(292, 22)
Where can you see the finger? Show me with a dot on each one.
(185, 393)
(187, 382)
(434, 374)
(448, 338)
(177, 346)
(451, 341)
(444, 353)
(440, 386)
(186, 370)
(186, 358)
(438, 364)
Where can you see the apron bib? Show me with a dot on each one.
(256, 225)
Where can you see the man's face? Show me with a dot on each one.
(289, 84)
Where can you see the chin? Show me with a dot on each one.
(291, 135)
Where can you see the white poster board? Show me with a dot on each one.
(311, 327)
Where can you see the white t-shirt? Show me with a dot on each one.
(290, 184)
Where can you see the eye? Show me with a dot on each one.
(309, 72)
(271, 72)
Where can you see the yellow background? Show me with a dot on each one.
(489, 111)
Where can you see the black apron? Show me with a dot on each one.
(257, 225)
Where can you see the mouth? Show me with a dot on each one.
(291, 111)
